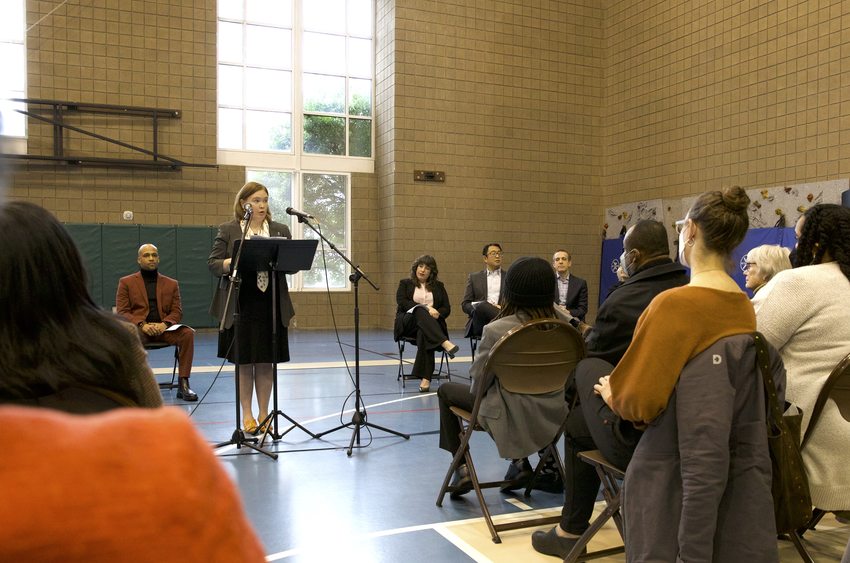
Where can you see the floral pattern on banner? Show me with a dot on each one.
(781, 206)
(619, 219)
(769, 207)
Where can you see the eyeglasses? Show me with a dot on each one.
(680, 225)
(747, 265)
(494, 253)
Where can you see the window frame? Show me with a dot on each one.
(298, 159)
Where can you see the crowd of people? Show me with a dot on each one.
(62, 355)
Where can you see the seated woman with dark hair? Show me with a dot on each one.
(423, 306)
(529, 285)
(57, 348)
(677, 326)
(805, 314)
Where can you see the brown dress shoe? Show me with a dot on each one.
(183, 391)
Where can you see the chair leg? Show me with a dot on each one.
(801, 549)
(481, 502)
(401, 362)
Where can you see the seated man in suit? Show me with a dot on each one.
(571, 292)
(647, 262)
(483, 290)
(151, 301)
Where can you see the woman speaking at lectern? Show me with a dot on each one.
(253, 351)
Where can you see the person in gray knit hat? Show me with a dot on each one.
(529, 286)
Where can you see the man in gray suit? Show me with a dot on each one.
(483, 291)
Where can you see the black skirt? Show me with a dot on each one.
(254, 330)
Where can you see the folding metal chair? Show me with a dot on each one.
(404, 376)
(159, 346)
(837, 388)
(534, 358)
(611, 478)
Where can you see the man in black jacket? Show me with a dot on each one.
(651, 271)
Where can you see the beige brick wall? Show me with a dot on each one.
(704, 94)
(506, 99)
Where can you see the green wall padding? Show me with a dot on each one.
(110, 252)
(88, 240)
(193, 247)
(120, 244)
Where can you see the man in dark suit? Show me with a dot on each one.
(151, 301)
(483, 291)
(571, 291)
(651, 271)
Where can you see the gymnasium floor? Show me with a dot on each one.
(317, 504)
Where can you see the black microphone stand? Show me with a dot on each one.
(238, 437)
(358, 419)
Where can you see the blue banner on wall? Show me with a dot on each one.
(611, 251)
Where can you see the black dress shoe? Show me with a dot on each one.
(519, 472)
(461, 480)
(549, 481)
(550, 543)
(183, 391)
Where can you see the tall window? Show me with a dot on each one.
(14, 68)
(323, 195)
(295, 82)
(295, 106)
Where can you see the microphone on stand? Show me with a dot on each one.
(300, 214)
(249, 210)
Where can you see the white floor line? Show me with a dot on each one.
(289, 366)
(442, 528)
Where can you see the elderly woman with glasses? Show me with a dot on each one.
(761, 264)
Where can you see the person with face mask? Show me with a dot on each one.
(647, 262)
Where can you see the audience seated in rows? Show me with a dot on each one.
(677, 326)
(805, 314)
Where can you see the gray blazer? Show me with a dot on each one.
(520, 424)
(698, 485)
(476, 290)
(228, 233)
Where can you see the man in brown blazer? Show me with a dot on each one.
(151, 301)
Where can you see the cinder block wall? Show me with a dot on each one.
(506, 98)
(709, 93)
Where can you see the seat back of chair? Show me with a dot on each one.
(837, 388)
(536, 357)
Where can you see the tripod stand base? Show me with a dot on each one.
(238, 439)
(275, 436)
(358, 421)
